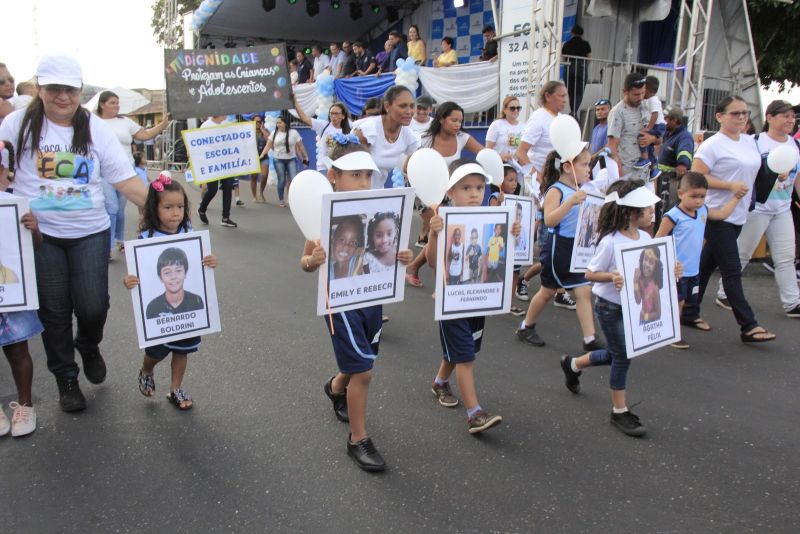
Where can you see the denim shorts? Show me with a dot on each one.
(689, 288)
(19, 326)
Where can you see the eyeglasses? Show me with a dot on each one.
(4, 81)
(738, 114)
(342, 242)
(56, 90)
(515, 108)
(335, 113)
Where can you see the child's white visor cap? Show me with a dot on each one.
(466, 170)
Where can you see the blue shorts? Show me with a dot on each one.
(182, 346)
(556, 256)
(689, 289)
(357, 334)
(461, 338)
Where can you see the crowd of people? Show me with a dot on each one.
(716, 222)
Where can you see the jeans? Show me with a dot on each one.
(609, 315)
(780, 236)
(115, 207)
(72, 275)
(227, 195)
(286, 169)
(722, 251)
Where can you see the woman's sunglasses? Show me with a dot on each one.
(515, 108)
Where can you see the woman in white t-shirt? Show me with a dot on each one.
(535, 144)
(730, 161)
(338, 123)
(63, 154)
(389, 135)
(286, 145)
(773, 218)
(505, 134)
(127, 132)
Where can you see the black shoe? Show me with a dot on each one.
(723, 303)
(794, 312)
(628, 423)
(94, 367)
(69, 395)
(529, 335)
(572, 380)
(229, 223)
(240, 202)
(365, 455)
(339, 402)
(564, 300)
(522, 290)
(595, 344)
(202, 215)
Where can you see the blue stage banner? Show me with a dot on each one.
(354, 92)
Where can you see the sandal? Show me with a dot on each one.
(752, 335)
(517, 311)
(697, 324)
(179, 398)
(147, 385)
(413, 280)
(121, 247)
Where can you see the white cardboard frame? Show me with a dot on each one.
(528, 226)
(582, 255)
(16, 245)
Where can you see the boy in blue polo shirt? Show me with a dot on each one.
(461, 338)
(686, 222)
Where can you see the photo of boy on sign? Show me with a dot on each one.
(172, 267)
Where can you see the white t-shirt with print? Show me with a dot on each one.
(506, 136)
(325, 131)
(64, 187)
(604, 261)
(279, 144)
(730, 161)
(780, 198)
(385, 154)
(537, 134)
(124, 128)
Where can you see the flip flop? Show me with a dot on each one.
(697, 324)
(413, 280)
(750, 337)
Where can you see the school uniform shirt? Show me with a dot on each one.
(461, 142)
(124, 128)
(604, 262)
(780, 198)
(63, 187)
(624, 124)
(325, 132)
(506, 136)
(730, 161)
(688, 233)
(387, 155)
(537, 134)
(567, 226)
(279, 144)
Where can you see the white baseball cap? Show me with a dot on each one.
(355, 161)
(466, 170)
(59, 70)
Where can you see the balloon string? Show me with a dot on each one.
(443, 271)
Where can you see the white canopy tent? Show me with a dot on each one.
(128, 100)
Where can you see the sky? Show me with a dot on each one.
(111, 39)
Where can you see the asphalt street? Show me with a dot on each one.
(262, 452)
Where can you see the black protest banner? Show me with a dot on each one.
(230, 81)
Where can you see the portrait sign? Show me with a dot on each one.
(362, 232)
(17, 268)
(522, 212)
(206, 82)
(650, 308)
(586, 233)
(176, 297)
(223, 151)
(473, 262)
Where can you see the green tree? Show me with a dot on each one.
(774, 25)
(161, 27)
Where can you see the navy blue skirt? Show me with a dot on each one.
(556, 255)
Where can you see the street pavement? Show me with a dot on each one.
(262, 452)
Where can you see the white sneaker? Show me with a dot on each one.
(5, 426)
(23, 422)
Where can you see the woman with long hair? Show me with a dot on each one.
(416, 46)
(127, 131)
(535, 144)
(64, 152)
(338, 122)
(286, 145)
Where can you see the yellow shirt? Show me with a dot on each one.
(495, 244)
(416, 50)
(447, 59)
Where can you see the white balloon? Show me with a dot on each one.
(565, 135)
(305, 201)
(427, 173)
(492, 163)
(782, 159)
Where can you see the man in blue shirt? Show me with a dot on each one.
(399, 50)
(677, 149)
(600, 131)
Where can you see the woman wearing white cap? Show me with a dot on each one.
(62, 152)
